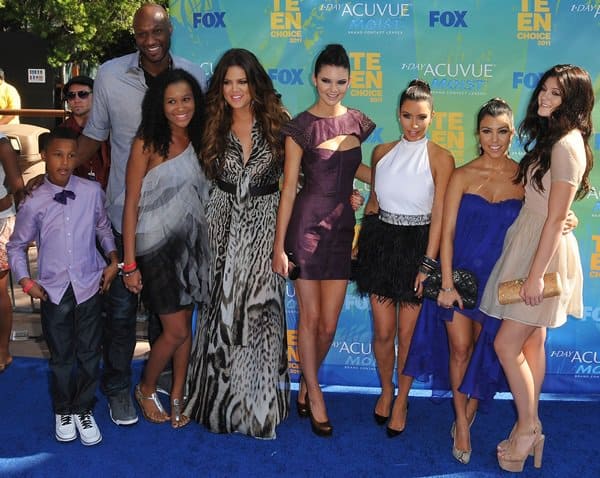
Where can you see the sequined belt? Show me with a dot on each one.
(404, 219)
(254, 190)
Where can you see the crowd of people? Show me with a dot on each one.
(189, 213)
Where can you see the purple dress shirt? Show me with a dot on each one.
(66, 238)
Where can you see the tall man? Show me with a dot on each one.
(78, 94)
(116, 112)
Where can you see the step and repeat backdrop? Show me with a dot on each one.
(468, 51)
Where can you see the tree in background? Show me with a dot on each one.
(77, 31)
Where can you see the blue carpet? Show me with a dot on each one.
(358, 447)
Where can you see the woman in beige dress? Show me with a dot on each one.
(555, 170)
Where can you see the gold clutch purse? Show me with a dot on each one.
(508, 292)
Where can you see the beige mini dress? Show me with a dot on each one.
(521, 242)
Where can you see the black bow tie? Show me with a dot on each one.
(62, 196)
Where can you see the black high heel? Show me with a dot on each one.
(322, 429)
(303, 408)
(380, 419)
(392, 432)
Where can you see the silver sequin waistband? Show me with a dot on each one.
(403, 219)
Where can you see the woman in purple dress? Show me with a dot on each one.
(315, 227)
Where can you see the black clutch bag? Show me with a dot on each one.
(465, 284)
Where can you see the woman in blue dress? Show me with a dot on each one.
(481, 202)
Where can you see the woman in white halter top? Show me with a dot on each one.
(401, 229)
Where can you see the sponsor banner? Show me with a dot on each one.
(468, 51)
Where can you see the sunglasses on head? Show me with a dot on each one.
(82, 94)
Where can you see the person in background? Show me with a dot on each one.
(238, 378)
(119, 89)
(9, 198)
(9, 100)
(399, 242)
(555, 171)
(78, 92)
(315, 226)
(66, 216)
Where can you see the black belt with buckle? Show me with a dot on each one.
(254, 190)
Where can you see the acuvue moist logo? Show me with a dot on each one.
(586, 8)
(583, 362)
(454, 78)
(370, 18)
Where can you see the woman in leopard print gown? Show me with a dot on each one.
(238, 379)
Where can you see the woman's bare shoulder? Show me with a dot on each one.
(381, 150)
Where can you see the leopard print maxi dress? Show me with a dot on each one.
(238, 379)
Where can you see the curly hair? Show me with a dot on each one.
(266, 106)
(417, 90)
(539, 134)
(154, 128)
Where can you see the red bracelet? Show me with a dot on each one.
(129, 267)
(28, 285)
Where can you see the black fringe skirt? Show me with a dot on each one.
(388, 259)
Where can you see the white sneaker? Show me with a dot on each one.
(89, 433)
(65, 428)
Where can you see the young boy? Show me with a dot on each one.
(64, 216)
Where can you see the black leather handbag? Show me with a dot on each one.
(465, 284)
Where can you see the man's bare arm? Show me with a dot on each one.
(86, 148)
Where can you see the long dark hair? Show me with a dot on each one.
(539, 134)
(266, 105)
(154, 128)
